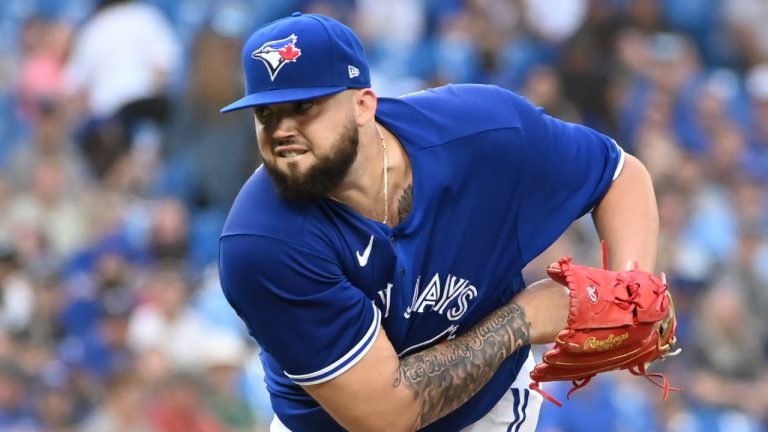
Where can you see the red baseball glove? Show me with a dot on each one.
(617, 320)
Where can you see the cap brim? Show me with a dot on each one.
(281, 96)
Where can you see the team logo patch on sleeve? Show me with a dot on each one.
(276, 54)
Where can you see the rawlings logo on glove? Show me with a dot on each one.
(610, 342)
(616, 320)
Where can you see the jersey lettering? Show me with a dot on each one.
(430, 295)
(408, 310)
(468, 294)
(450, 298)
(386, 295)
(455, 287)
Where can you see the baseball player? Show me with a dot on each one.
(376, 255)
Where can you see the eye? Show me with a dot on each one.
(304, 105)
(262, 113)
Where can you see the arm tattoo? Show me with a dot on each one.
(405, 204)
(445, 376)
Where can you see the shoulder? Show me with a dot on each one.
(473, 94)
(456, 111)
(259, 210)
(489, 101)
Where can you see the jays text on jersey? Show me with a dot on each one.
(495, 181)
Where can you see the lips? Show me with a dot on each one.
(290, 151)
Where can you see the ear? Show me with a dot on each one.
(365, 106)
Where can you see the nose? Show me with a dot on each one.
(284, 128)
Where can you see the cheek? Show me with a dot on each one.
(263, 143)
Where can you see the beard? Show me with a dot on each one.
(325, 175)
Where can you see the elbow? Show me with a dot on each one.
(400, 425)
(386, 415)
(393, 422)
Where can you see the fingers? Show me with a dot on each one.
(554, 268)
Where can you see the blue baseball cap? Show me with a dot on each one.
(302, 56)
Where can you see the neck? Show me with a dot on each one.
(363, 189)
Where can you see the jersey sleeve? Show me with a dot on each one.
(298, 306)
(564, 170)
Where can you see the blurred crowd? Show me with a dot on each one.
(117, 171)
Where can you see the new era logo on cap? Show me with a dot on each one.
(275, 54)
(353, 71)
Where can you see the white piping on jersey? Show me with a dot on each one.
(620, 165)
(373, 329)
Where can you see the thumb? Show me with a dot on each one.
(554, 267)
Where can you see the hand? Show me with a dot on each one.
(546, 305)
(615, 320)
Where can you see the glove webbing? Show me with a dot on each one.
(638, 370)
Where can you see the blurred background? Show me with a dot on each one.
(117, 171)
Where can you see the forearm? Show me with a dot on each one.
(384, 392)
(445, 376)
(627, 218)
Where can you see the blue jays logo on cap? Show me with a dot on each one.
(275, 54)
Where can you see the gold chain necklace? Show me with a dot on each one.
(386, 177)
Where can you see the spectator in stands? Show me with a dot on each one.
(223, 377)
(179, 407)
(15, 414)
(124, 407)
(166, 322)
(121, 66)
(210, 155)
(729, 369)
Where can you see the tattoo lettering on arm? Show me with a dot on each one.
(445, 376)
(405, 203)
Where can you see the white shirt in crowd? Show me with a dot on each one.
(124, 53)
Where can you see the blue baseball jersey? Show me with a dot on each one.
(495, 181)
